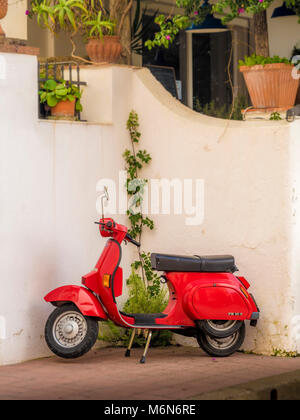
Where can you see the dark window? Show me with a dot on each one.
(211, 56)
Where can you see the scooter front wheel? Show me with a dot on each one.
(69, 334)
(221, 347)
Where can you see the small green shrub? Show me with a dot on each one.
(283, 353)
(254, 60)
(275, 116)
(142, 300)
(224, 111)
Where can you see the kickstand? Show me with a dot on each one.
(143, 359)
(127, 353)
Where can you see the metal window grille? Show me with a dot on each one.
(58, 71)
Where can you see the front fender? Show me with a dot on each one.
(85, 301)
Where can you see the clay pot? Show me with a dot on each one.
(3, 8)
(3, 12)
(271, 85)
(107, 50)
(63, 109)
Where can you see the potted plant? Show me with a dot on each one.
(63, 98)
(3, 12)
(87, 17)
(195, 12)
(269, 81)
(102, 44)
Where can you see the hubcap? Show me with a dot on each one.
(69, 329)
(221, 325)
(223, 343)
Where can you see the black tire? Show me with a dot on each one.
(66, 343)
(219, 329)
(221, 347)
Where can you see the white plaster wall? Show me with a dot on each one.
(48, 177)
(284, 32)
(251, 176)
(15, 22)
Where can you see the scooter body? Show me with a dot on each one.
(206, 299)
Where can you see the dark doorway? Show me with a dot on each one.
(211, 56)
(174, 57)
(162, 56)
(211, 69)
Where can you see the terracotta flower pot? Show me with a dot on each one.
(271, 86)
(107, 50)
(63, 109)
(3, 12)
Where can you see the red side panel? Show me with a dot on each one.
(81, 297)
(219, 303)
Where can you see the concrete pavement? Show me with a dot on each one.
(171, 373)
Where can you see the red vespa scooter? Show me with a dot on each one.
(206, 301)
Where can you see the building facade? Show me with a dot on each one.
(206, 68)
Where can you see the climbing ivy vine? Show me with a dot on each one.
(145, 292)
(135, 160)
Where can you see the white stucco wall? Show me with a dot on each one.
(15, 22)
(49, 172)
(251, 180)
(48, 178)
(284, 32)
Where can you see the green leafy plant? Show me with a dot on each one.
(141, 27)
(275, 116)
(195, 11)
(60, 13)
(142, 299)
(145, 292)
(168, 30)
(53, 92)
(134, 161)
(224, 111)
(97, 25)
(235, 8)
(88, 17)
(254, 60)
(283, 353)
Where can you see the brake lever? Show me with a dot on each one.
(133, 241)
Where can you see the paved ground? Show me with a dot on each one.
(170, 373)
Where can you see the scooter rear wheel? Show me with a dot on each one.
(68, 333)
(221, 347)
(220, 329)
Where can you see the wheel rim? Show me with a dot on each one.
(69, 329)
(221, 325)
(223, 343)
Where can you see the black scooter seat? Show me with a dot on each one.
(179, 263)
